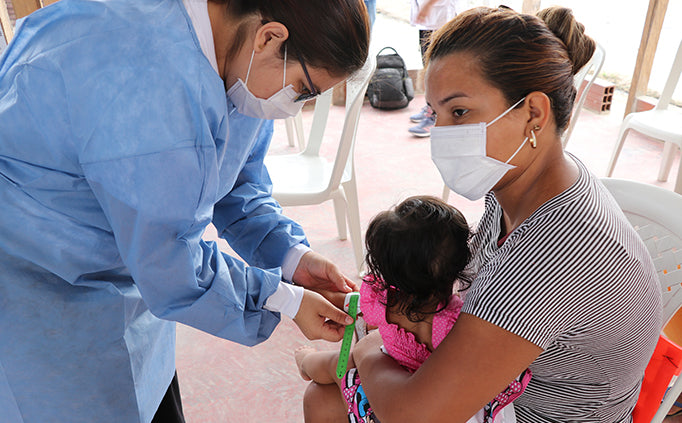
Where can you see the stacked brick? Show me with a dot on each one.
(600, 95)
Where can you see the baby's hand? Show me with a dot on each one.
(299, 355)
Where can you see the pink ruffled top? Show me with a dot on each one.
(399, 343)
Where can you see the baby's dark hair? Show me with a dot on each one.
(416, 252)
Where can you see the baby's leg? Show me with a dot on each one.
(323, 401)
(320, 366)
(324, 404)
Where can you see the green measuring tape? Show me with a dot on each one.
(351, 307)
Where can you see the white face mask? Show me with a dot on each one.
(459, 153)
(279, 106)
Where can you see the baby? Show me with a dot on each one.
(416, 253)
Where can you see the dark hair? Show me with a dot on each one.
(519, 53)
(328, 34)
(416, 252)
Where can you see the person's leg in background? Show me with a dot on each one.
(372, 10)
(424, 118)
(424, 42)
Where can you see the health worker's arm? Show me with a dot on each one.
(251, 221)
(475, 362)
(153, 169)
(248, 218)
(153, 212)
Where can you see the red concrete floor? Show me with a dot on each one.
(223, 382)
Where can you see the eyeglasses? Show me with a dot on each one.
(313, 91)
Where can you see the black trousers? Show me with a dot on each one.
(424, 41)
(170, 409)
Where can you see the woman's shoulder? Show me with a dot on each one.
(565, 260)
(584, 210)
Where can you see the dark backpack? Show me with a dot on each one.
(390, 87)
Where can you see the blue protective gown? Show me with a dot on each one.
(117, 149)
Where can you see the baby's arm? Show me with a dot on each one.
(319, 366)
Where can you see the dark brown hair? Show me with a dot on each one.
(416, 252)
(328, 34)
(519, 53)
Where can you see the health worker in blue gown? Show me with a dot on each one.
(126, 127)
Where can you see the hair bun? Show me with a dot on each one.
(562, 23)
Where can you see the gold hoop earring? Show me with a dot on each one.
(533, 139)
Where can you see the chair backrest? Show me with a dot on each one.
(654, 212)
(591, 69)
(671, 83)
(322, 105)
(356, 86)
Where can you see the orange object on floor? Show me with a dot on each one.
(665, 363)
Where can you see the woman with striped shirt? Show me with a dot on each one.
(564, 285)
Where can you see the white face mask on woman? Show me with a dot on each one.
(459, 153)
(278, 106)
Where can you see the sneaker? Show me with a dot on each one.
(418, 117)
(423, 129)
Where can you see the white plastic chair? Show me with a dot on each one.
(294, 128)
(660, 123)
(591, 70)
(306, 178)
(655, 213)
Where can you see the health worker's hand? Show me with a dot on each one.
(314, 271)
(335, 297)
(319, 319)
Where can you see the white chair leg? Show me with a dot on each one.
(666, 161)
(619, 146)
(298, 124)
(446, 193)
(289, 124)
(353, 211)
(678, 183)
(340, 214)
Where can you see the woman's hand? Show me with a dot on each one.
(319, 319)
(316, 272)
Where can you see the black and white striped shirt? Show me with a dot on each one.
(576, 280)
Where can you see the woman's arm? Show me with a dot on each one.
(474, 363)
